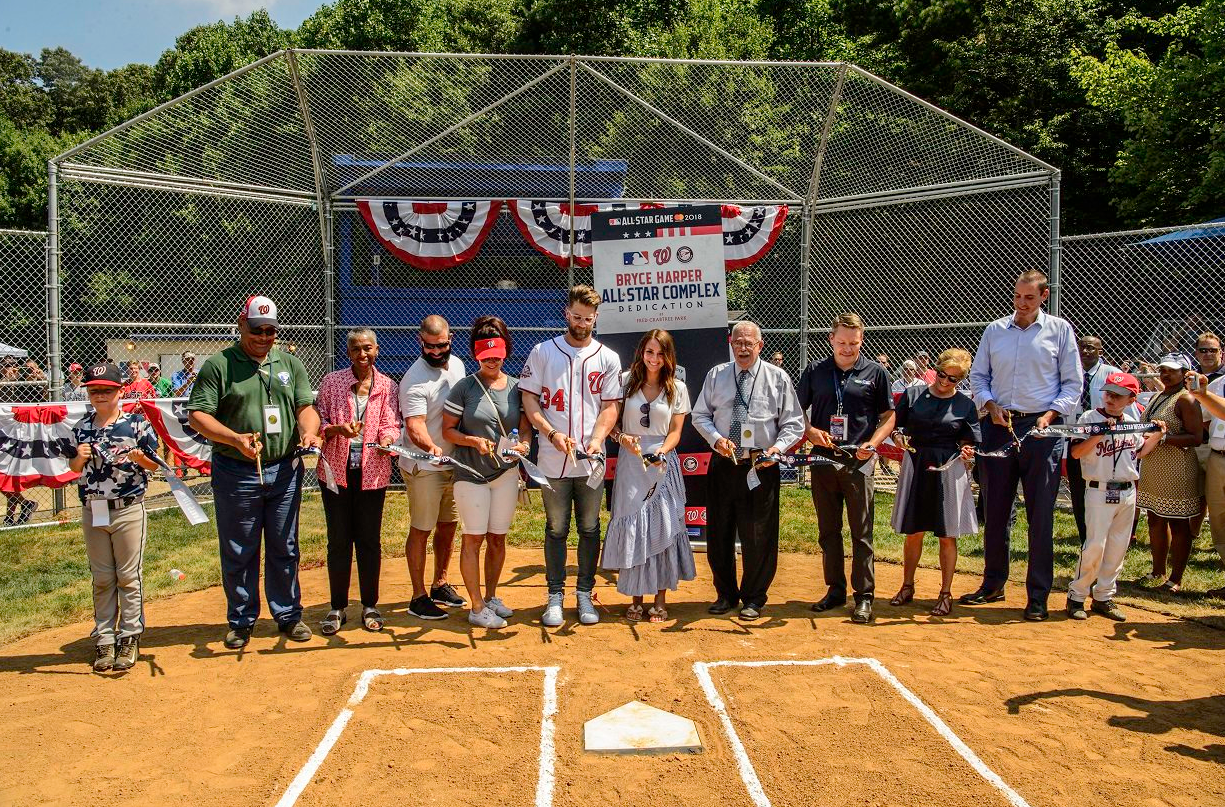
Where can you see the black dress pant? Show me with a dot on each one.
(733, 509)
(1036, 468)
(832, 490)
(355, 522)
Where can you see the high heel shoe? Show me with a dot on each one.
(944, 605)
(904, 594)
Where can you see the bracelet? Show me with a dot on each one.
(551, 433)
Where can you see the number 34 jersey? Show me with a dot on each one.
(571, 384)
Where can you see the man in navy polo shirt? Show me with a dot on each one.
(847, 401)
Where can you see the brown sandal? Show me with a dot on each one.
(944, 605)
(657, 614)
(904, 595)
(634, 613)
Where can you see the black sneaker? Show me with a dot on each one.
(237, 638)
(1076, 610)
(126, 653)
(104, 661)
(28, 509)
(297, 631)
(424, 608)
(448, 596)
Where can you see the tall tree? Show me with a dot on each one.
(207, 52)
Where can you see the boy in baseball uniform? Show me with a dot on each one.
(1110, 464)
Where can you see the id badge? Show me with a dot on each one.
(837, 428)
(1218, 429)
(1114, 496)
(753, 479)
(99, 512)
(748, 436)
(272, 420)
(355, 455)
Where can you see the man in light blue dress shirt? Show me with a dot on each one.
(1026, 375)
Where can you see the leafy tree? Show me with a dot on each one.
(207, 52)
(1172, 166)
(22, 101)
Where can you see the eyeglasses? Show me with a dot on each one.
(1208, 350)
(583, 320)
(744, 342)
(435, 345)
(645, 420)
(265, 331)
(952, 379)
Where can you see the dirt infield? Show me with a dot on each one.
(1064, 713)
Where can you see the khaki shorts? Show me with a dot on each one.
(431, 499)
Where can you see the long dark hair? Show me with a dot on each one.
(667, 373)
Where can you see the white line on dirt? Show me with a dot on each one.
(548, 751)
(748, 773)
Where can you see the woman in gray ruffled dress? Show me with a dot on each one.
(647, 540)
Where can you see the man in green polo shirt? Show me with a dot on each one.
(254, 403)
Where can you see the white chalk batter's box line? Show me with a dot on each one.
(701, 669)
(548, 710)
(747, 772)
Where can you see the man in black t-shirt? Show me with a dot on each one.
(848, 405)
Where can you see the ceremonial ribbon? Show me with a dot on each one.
(426, 458)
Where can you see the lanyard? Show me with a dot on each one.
(736, 383)
(840, 387)
(261, 373)
(359, 411)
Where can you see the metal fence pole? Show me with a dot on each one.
(573, 161)
(1055, 268)
(329, 287)
(805, 272)
(54, 361)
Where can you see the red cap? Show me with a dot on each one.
(74, 367)
(491, 348)
(1121, 384)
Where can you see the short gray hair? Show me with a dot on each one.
(747, 325)
(361, 333)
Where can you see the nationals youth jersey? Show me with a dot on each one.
(1113, 459)
(571, 384)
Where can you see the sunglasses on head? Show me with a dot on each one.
(952, 379)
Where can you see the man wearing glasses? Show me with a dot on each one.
(254, 403)
(1026, 375)
(431, 494)
(570, 386)
(849, 406)
(747, 412)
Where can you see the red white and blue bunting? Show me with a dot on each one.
(430, 235)
(35, 440)
(438, 235)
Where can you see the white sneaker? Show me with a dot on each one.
(499, 607)
(587, 613)
(552, 612)
(486, 618)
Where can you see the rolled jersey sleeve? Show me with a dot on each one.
(702, 416)
(610, 384)
(414, 402)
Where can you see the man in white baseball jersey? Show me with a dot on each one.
(570, 386)
(1110, 464)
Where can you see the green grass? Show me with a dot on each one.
(45, 582)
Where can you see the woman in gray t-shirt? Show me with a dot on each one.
(481, 417)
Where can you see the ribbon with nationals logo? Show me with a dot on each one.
(1094, 429)
(430, 235)
(421, 456)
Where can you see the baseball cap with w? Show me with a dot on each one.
(259, 310)
(493, 347)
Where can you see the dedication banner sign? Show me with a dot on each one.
(664, 268)
(660, 268)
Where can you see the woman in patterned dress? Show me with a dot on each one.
(1169, 476)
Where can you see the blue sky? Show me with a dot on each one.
(112, 33)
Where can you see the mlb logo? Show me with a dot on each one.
(634, 258)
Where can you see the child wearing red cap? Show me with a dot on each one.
(1110, 464)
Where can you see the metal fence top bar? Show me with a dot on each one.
(229, 326)
(180, 179)
(943, 190)
(32, 233)
(1149, 231)
(922, 327)
(350, 202)
(559, 57)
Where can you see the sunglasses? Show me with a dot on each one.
(267, 330)
(1208, 350)
(436, 345)
(645, 420)
(952, 379)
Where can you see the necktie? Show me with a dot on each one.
(1085, 397)
(740, 409)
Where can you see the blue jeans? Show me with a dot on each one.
(248, 510)
(557, 503)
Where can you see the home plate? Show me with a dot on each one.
(636, 728)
